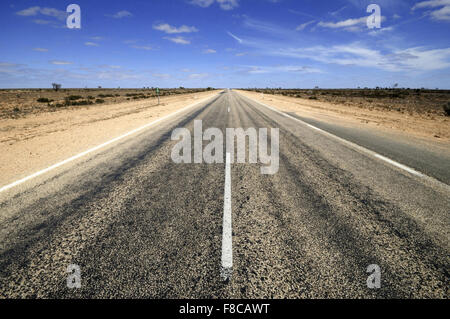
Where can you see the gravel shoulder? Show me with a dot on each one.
(36, 141)
(435, 129)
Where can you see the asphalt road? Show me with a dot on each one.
(139, 225)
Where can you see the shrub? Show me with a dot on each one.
(44, 100)
(99, 101)
(73, 97)
(313, 97)
(16, 110)
(447, 109)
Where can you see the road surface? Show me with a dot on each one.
(138, 225)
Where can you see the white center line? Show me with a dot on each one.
(227, 241)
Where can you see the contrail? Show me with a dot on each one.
(234, 37)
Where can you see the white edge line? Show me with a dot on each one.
(360, 148)
(227, 235)
(41, 172)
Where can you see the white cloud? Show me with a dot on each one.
(91, 44)
(196, 76)
(121, 14)
(412, 59)
(178, 40)
(441, 14)
(161, 75)
(353, 25)
(228, 4)
(235, 37)
(59, 62)
(50, 12)
(281, 68)
(32, 11)
(202, 3)
(167, 28)
(40, 21)
(142, 47)
(209, 51)
(301, 27)
(224, 4)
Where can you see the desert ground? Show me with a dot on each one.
(418, 112)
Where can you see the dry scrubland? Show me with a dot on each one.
(430, 103)
(20, 102)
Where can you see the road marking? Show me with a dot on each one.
(228, 110)
(73, 158)
(227, 236)
(362, 149)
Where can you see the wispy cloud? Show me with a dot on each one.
(209, 51)
(440, 14)
(235, 37)
(60, 62)
(196, 76)
(302, 26)
(224, 4)
(412, 59)
(50, 12)
(167, 28)
(120, 14)
(353, 25)
(178, 40)
(161, 75)
(252, 69)
(91, 44)
(142, 47)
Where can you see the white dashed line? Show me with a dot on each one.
(227, 235)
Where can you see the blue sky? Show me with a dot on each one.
(225, 43)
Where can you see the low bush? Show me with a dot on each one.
(44, 100)
(447, 109)
(73, 97)
(99, 101)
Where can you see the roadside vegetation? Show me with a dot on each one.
(17, 103)
(407, 101)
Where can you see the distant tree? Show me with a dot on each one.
(56, 86)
